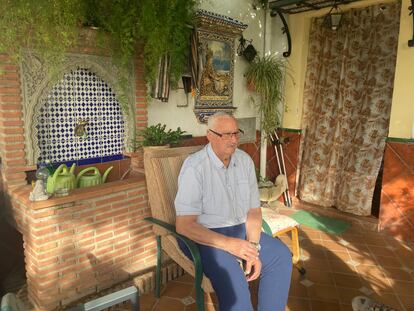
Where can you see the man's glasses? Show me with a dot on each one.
(228, 136)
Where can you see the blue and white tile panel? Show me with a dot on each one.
(80, 95)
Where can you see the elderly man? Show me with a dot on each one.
(217, 206)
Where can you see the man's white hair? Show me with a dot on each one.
(212, 120)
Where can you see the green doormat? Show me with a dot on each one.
(324, 223)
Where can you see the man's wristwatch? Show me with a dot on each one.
(257, 245)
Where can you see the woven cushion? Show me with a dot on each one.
(277, 222)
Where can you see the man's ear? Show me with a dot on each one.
(208, 135)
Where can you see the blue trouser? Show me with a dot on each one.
(229, 281)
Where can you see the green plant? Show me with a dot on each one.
(164, 29)
(266, 75)
(46, 25)
(51, 27)
(157, 135)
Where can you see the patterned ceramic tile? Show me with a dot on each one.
(80, 95)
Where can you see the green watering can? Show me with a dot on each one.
(61, 179)
(91, 177)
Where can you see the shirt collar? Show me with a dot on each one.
(215, 159)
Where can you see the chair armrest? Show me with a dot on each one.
(195, 253)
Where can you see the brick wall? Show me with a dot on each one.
(76, 248)
(79, 248)
(11, 125)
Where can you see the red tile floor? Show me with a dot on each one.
(358, 262)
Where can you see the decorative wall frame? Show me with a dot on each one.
(37, 83)
(216, 52)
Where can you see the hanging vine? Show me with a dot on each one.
(51, 27)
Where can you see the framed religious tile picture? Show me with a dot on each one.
(215, 63)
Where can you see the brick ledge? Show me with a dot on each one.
(21, 194)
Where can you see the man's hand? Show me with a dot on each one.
(242, 249)
(188, 226)
(252, 269)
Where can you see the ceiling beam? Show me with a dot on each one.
(281, 3)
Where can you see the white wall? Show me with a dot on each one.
(173, 116)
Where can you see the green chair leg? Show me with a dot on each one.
(195, 254)
(158, 271)
(199, 291)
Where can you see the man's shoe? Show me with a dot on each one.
(362, 303)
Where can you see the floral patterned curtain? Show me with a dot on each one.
(347, 103)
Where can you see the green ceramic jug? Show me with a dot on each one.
(61, 179)
(87, 179)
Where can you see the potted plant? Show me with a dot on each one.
(157, 135)
(265, 77)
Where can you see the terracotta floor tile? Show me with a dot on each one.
(310, 234)
(170, 304)
(345, 307)
(338, 265)
(309, 243)
(323, 292)
(358, 247)
(334, 246)
(363, 257)
(329, 237)
(208, 297)
(147, 302)
(338, 255)
(382, 251)
(378, 285)
(352, 237)
(186, 278)
(313, 263)
(371, 271)
(298, 290)
(320, 277)
(374, 240)
(325, 305)
(404, 288)
(407, 301)
(177, 290)
(398, 274)
(347, 280)
(386, 261)
(314, 252)
(336, 282)
(347, 294)
(297, 304)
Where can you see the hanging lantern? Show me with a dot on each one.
(334, 17)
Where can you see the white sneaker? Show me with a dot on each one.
(362, 303)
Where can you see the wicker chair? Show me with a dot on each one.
(162, 167)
